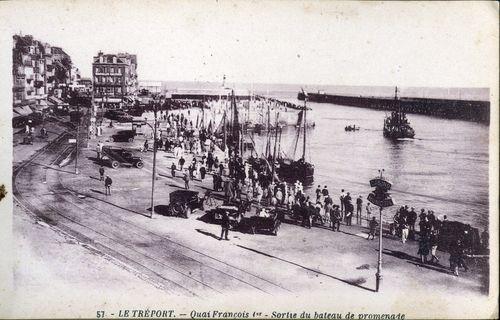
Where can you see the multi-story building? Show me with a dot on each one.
(34, 73)
(115, 78)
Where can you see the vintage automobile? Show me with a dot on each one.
(123, 136)
(183, 202)
(117, 157)
(124, 118)
(266, 219)
(114, 114)
(233, 212)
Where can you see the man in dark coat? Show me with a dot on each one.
(373, 228)
(172, 169)
(181, 163)
(225, 226)
(412, 219)
(107, 185)
(101, 173)
(335, 217)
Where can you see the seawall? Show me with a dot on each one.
(478, 111)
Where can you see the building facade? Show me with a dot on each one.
(115, 78)
(37, 69)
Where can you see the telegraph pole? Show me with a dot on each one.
(154, 161)
(77, 138)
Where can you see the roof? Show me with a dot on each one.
(23, 110)
(184, 192)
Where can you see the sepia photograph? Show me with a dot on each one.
(249, 159)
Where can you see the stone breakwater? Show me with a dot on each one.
(478, 111)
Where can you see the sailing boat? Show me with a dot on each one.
(397, 126)
(292, 170)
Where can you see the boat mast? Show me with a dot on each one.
(305, 128)
(224, 141)
(279, 141)
(268, 145)
(235, 125)
(275, 145)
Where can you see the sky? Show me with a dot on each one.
(338, 43)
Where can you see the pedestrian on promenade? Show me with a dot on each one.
(328, 204)
(203, 172)
(359, 209)
(216, 162)
(107, 185)
(412, 219)
(210, 161)
(181, 163)
(349, 209)
(348, 218)
(225, 226)
(325, 192)
(433, 243)
(101, 173)
(456, 259)
(404, 229)
(186, 181)
(368, 210)
(99, 150)
(342, 196)
(373, 227)
(279, 196)
(424, 227)
(335, 218)
(423, 248)
(318, 192)
(146, 146)
(172, 169)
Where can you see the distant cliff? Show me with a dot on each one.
(478, 111)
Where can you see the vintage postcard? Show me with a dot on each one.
(249, 159)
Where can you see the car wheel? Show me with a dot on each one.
(130, 139)
(139, 164)
(115, 164)
(111, 139)
(177, 209)
(276, 228)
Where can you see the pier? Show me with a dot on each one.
(469, 110)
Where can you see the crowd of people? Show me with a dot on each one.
(253, 180)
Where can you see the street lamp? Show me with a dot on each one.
(381, 198)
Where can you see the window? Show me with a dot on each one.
(112, 70)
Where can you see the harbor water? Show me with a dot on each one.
(444, 169)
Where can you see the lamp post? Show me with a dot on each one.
(381, 198)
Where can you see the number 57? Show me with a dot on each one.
(100, 314)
